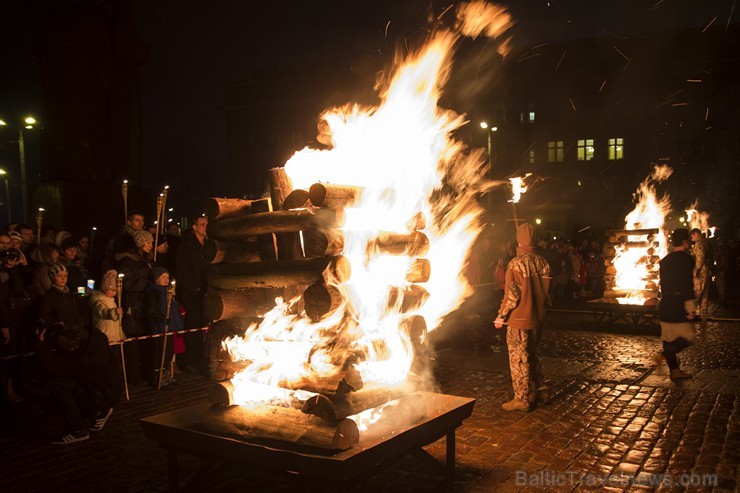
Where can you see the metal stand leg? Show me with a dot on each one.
(450, 459)
(174, 480)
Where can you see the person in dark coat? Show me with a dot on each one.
(159, 319)
(191, 267)
(677, 306)
(85, 379)
(58, 304)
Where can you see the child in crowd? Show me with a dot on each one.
(106, 314)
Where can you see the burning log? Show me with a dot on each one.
(320, 299)
(281, 188)
(419, 271)
(415, 326)
(417, 223)
(223, 304)
(415, 244)
(222, 208)
(339, 407)
(399, 413)
(337, 196)
(406, 300)
(343, 382)
(320, 242)
(223, 393)
(621, 293)
(275, 222)
(232, 252)
(295, 200)
(632, 232)
(280, 273)
(282, 423)
(225, 370)
(265, 242)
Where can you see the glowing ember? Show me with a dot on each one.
(636, 262)
(410, 170)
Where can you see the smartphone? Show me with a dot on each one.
(81, 290)
(91, 284)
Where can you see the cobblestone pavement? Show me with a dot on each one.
(611, 417)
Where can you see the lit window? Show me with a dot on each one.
(555, 151)
(585, 149)
(616, 148)
(531, 156)
(531, 117)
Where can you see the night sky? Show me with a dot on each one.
(197, 48)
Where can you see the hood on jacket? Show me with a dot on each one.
(526, 235)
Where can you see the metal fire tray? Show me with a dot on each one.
(607, 312)
(181, 431)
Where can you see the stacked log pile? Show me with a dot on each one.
(287, 245)
(646, 239)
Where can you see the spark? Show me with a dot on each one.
(386, 28)
(730, 18)
(693, 80)
(602, 85)
(710, 23)
(528, 57)
(680, 104)
(561, 60)
(572, 105)
(706, 115)
(444, 11)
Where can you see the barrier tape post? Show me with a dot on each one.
(123, 366)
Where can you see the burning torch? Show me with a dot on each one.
(39, 220)
(124, 192)
(160, 206)
(170, 296)
(119, 291)
(518, 187)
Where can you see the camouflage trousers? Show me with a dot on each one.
(526, 370)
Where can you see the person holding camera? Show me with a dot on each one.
(11, 287)
(84, 378)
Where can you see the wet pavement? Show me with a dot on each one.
(614, 422)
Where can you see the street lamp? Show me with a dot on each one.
(4, 174)
(484, 126)
(29, 121)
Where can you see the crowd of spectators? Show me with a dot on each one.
(64, 313)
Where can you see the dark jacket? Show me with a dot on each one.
(155, 303)
(191, 279)
(92, 364)
(676, 286)
(135, 270)
(59, 306)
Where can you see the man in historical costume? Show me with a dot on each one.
(523, 310)
(702, 253)
(677, 306)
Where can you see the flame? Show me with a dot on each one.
(697, 219)
(518, 187)
(403, 155)
(637, 265)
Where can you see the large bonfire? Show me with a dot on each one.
(409, 176)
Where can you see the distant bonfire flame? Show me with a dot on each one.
(636, 259)
(412, 184)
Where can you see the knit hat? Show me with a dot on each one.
(141, 237)
(109, 280)
(56, 269)
(15, 235)
(157, 272)
(61, 236)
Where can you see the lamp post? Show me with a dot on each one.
(489, 132)
(4, 174)
(29, 124)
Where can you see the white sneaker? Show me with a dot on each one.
(71, 437)
(101, 418)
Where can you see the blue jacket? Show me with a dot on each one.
(155, 302)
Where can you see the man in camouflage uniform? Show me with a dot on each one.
(702, 253)
(523, 310)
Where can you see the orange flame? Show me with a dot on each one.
(635, 265)
(403, 155)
